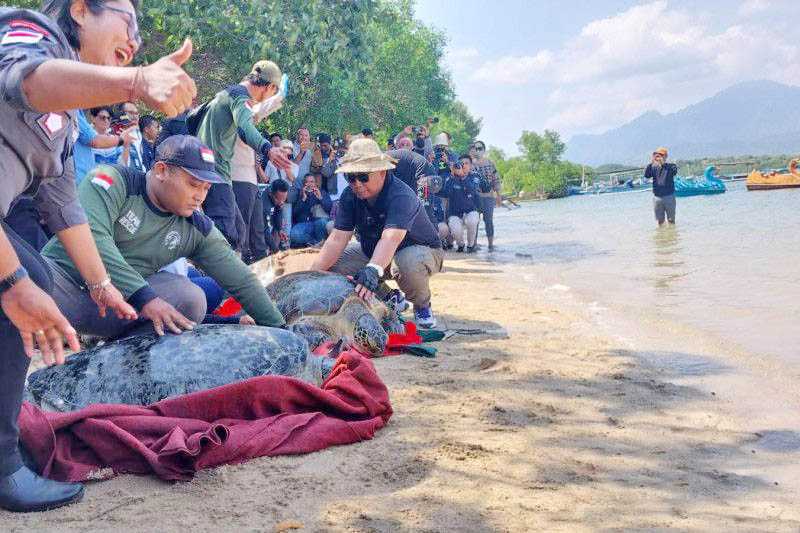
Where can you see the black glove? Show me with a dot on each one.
(368, 278)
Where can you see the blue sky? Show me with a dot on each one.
(580, 66)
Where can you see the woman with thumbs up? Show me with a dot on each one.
(74, 56)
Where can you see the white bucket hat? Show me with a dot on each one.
(364, 155)
(441, 140)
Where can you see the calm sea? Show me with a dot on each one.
(730, 267)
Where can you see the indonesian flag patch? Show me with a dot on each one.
(22, 36)
(208, 155)
(103, 180)
(28, 25)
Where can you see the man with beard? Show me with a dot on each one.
(663, 176)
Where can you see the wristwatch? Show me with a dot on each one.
(13, 279)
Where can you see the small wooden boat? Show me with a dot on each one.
(708, 184)
(762, 181)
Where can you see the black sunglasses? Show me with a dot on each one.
(362, 177)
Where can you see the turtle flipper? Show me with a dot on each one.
(315, 332)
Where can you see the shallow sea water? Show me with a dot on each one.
(729, 267)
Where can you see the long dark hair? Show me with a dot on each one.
(58, 10)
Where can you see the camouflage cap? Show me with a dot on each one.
(266, 72)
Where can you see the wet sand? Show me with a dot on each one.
(547, 420)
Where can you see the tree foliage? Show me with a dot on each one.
(539, 170)
(351, 63)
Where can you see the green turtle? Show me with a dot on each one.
(145, 369)
(322, 306)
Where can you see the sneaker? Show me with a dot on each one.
(424, 317)
(447, 245)
(397, 300)
(460, 248)
(471, 249)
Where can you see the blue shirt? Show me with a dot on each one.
(397, 207)
(82, 150)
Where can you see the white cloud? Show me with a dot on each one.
(751, 7)
(461, 59)
(514, 70)
(650, 56)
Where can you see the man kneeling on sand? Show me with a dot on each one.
(393, 229)
(143, 222)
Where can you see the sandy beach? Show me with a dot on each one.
(535, 417)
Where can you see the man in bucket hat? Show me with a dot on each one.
(663, 176)
(396, 236)
(143, 222)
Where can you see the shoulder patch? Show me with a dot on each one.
(135, 182)
(202, 223)
(103, 180)
(21, 37)
(236, 91)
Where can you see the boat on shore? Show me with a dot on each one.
(693, 186)
(764, 181)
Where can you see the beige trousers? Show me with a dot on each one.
(412, 268)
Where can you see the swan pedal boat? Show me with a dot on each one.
(760, 181)
(709, 184)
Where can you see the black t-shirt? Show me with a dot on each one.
(663, 180)
(410, 167)
(397, 207)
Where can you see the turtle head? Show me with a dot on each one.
(369, 336)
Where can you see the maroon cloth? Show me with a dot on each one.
(176, 437)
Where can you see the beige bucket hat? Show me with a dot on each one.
(441, 140)
(364, 155)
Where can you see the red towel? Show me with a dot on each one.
(399, 340)
(230, 307)
(174, 438)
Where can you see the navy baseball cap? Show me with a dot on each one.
(191, 155)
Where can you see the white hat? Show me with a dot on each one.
(364, 155)
(441, 140)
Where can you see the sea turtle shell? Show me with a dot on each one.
(144, 369)
(322, 306)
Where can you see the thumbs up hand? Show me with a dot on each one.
(164, 85)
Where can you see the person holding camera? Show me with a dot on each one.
(273, 201)
(463, 204)
(444, 159)
(311, 213)
(396, 237)
(663, 176)
(489, 187)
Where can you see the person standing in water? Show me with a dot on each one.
(663, 176)
(489, 187)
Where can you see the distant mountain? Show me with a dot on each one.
(752, 118)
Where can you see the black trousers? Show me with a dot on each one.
(24, 220)
(13, 361)
(220, 206)
(250, 205)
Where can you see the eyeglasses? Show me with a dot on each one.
(104, 117)
(133, 24)
(479, 148)
(362, 177)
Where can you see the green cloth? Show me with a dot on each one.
(136, 240)
(227, 118)
(430, 335)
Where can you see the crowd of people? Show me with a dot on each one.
(115, 224)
